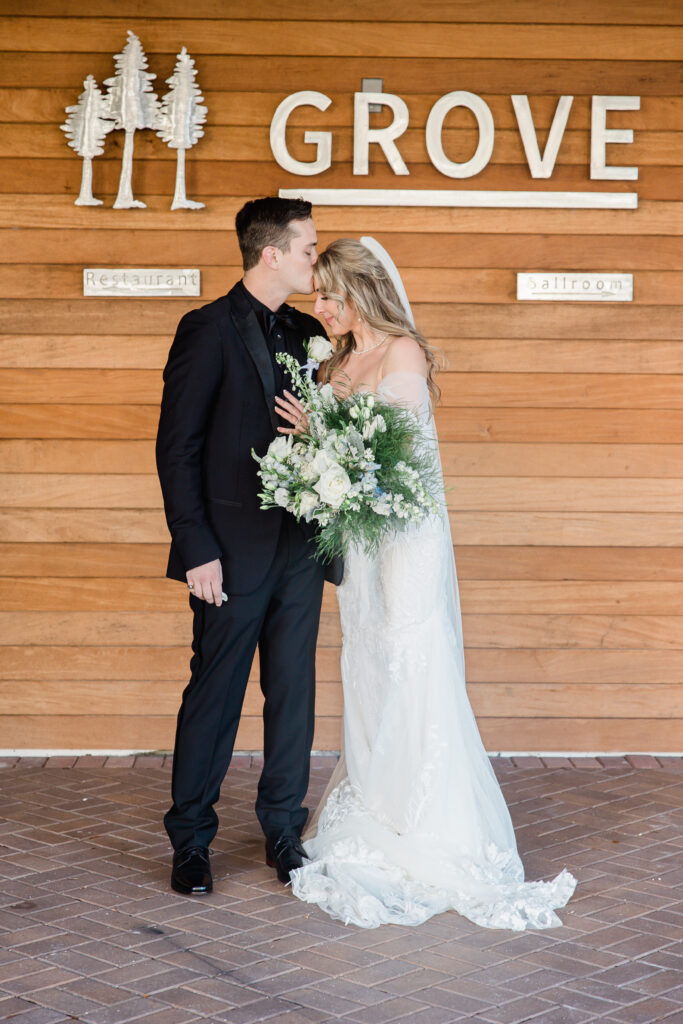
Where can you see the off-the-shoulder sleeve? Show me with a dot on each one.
(409, 389)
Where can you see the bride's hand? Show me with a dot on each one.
(291, 409)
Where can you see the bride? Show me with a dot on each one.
(413, 821)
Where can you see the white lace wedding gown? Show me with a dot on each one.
(413, 822)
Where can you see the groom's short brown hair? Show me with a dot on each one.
(263, 222)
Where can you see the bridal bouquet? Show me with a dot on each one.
(363, 466)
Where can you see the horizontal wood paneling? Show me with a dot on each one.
(350, 39)
(111, 629)
(489, 74)
(540, 426)
(483, 355)
(136, 732)
(214, 178)
(219, 248)
(474, 562)
(538, 319)
(537, 390)
(584, 12)
(561, 425)
(51, 697)
(254, 108)
(155, 732)
(624, 461)
(144, 526)
(515, 597)
(483, 666)
(463, 493)
(651, 218)
(41, 281)
(659, 149)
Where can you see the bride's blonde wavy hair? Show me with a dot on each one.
(347, 271)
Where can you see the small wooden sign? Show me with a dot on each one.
(568, 286)
(127, 281)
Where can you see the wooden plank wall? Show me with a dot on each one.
(561, 424)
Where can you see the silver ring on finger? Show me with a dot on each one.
(190, 586)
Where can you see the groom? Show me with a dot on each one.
(251, 575)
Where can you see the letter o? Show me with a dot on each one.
(435, 121)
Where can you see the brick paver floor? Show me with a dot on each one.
(90, 930)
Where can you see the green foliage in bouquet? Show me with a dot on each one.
(363, 467)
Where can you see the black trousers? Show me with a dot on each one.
(282, 618)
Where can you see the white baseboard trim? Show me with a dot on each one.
(83, 752)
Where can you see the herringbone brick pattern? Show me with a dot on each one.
(91, 931)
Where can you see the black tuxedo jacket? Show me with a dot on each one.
(218, 404)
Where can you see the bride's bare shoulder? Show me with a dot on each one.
(404, 354)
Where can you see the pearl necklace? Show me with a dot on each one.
(361, 352)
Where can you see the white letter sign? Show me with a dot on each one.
(541, 166)
(601, 135)
(363, 135)
(435, 121)
(322, 140)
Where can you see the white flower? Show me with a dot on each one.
(280, 447)
(307, 503)
(382, 507)
(326, 393)
(353, 412)
(333, 485)
(281, 496)
(319, 348)
(370, 401)
(321, 462)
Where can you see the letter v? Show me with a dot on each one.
(541, 166)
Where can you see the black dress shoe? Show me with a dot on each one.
(285, 854)
(191, 873)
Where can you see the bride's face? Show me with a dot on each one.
(339, 319)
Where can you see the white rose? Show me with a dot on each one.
(321, 462)
(281, 496)
(333, 485)
(307, 503)
(280, 447)
(319, 348)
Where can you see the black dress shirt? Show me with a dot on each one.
(281, 335)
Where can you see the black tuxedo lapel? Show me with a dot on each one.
(249, 330)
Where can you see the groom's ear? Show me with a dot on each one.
(271, 257)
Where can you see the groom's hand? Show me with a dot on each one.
(206, 582)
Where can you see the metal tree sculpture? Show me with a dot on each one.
(132, 105)
(85, 128)
(179, 122)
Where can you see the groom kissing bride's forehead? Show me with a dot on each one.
(280, 232)
(252, 577)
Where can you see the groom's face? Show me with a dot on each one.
(296, 265)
